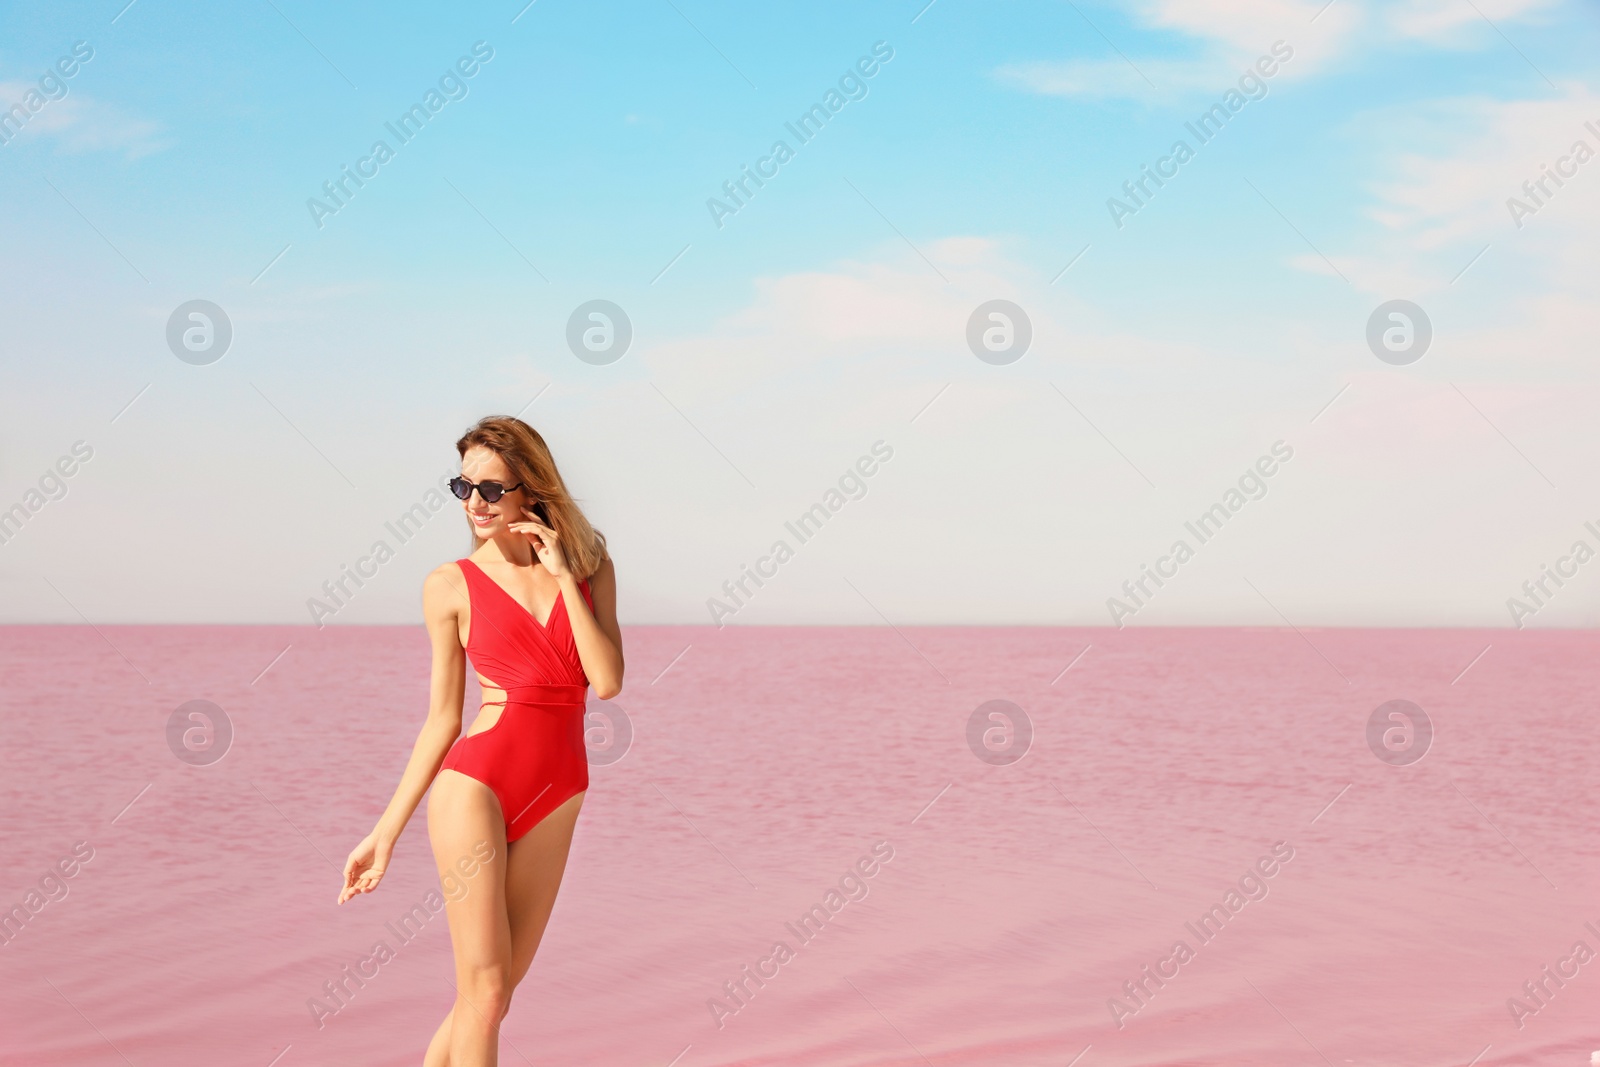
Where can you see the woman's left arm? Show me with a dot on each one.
(598, 636)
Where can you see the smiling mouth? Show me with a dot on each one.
(482, 520)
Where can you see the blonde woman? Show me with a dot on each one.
(534, 608)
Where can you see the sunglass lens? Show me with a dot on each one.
(461, 488)
(491, 491)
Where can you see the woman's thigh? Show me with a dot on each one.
(469, 848)
(536, 862)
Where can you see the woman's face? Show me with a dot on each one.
(480, 464)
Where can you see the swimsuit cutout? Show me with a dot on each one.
(533, 757)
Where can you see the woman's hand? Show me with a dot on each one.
(546, 542)
(364, 869)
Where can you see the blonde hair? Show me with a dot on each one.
(528, 458)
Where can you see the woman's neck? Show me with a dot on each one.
(514, 550)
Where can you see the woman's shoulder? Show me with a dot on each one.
(445, 581)
(449, 569)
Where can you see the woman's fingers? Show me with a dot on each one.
(350, 876)
(361, 872)
(535, 521)
(546, 541)
(365, 882)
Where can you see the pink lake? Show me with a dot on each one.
(764, 763)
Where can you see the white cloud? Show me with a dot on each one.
(1403, 504)
(1230, 34)
(1447, 22)
(1242, 24)
(1231, 37)
(1248, 26)
(1461, 193)
(1512, 308)
(80, 123)
(1103, 79)
(821, 359)
(1438, 207)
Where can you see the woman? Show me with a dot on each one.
(506, 795)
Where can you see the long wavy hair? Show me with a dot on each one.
(530, 462)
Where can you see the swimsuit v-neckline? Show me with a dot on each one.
(560, 593)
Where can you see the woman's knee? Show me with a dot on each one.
(487, 987)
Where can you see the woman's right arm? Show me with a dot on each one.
(443, 596)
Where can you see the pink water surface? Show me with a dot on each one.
(764, 763)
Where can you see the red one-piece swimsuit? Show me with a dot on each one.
(533, 757)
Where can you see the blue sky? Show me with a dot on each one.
(826, 314)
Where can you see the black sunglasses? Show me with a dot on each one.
(490, 491)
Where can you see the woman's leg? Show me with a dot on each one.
(537, 862)
(438, 1054)
(463, 813)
